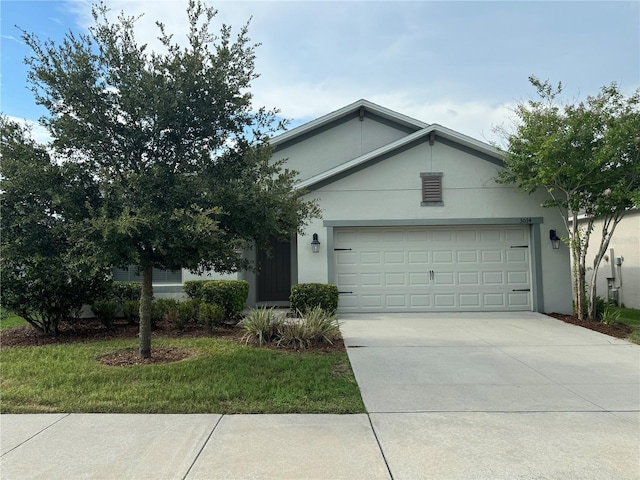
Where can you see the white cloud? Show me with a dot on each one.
(38, 133)
(458, 64)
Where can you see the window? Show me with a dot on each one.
(159, 276)
(431, 189)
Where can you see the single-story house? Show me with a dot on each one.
(412, 221)
(619, 272)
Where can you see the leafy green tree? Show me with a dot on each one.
(180, 156)
(586, 156)
(46, 274)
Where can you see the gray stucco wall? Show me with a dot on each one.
(625, 243)
(338, 143)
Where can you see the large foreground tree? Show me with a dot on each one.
(178, 152)
(587, 157)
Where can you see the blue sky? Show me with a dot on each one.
(462, 64)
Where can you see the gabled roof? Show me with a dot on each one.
(480, 148)
(351, 109)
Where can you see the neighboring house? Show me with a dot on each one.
(412, 221)
(619, 272)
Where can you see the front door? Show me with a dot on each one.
(274, 272)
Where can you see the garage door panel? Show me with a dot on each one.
(518, 299)
(442, 257)
(466, 236)
(433, 268)
(369, 301)
(370, 258)
(391, 258)
(420, 300)
(418, 257)
(467, 256)
(516, 255)
(444, 300)
(468, 278)
(395, 279)
(517, 278)
(419, 279)
(417, 236)
(470, 300)
(491, 256)
(346, 258)
(495, 300)
(490, 236)
(515, 235)
(444, 236)
(493, 278)
(371, 279)
(443, 278)
(347, 279)
(396, 301)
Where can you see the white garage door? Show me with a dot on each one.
(433, 268)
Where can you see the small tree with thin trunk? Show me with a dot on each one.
(179, 154)
(586, 156)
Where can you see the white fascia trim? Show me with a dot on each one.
(441, 131)
(330, 117)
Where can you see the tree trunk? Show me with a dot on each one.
(607, 222)
(592, 313)
(577, 255)
(146, 298)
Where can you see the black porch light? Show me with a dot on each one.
(555, 240)
(315, 244)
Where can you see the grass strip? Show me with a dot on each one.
(224, 378)
(631, 317)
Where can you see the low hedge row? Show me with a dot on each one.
(307, 296)
(231, 295)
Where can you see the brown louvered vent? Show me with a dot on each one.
(431, 188)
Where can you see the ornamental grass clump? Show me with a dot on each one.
(261, 325)
(314, 326)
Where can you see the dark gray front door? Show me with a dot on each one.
(274, 272)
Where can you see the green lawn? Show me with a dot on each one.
(9, 320)
(226, 377)
(631, 317)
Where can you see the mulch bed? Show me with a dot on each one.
(89, 330)
(618, 330)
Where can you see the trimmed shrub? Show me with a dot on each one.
(131, 310)
(125, 291)
(307, 296)
(105, 311)
(161, 308)
(186, 313)
(231, 295)
(210, 314)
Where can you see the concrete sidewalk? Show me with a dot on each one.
(475, 396)
(156, 447)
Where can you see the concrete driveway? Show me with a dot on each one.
(513, 395)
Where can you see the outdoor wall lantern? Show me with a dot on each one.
(555, 240)
(315, 244)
